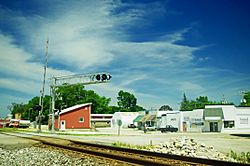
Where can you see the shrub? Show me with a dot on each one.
(241, 157)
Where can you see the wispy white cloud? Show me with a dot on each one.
(88, 36)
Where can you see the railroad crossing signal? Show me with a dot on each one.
(85, 79)
(91, 78)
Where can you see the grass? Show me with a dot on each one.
(131, 146)
(8, 129)
(240, 157)
(56, 132)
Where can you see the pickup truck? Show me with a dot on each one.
(169, 128)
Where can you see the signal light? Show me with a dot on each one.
(109, 77)
(103, 77)
(98, 77)
(37, 108)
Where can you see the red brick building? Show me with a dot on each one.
(75, 117)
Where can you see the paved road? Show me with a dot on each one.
(221, 141)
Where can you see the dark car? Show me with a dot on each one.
(169, 128)
(131, 126)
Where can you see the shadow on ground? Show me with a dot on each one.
(241, 135)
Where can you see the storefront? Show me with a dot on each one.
(213, 119)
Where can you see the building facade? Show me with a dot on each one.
(75, 117)
(126, 118)
(101, 120)
(216, 118)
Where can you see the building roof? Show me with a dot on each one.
(74, 107)
(148, 118)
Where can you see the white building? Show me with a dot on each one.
(227, 118)
(126, 118)
(191, 121)
(170, 118)
(216, 118)
(103, 120)
(242, 119)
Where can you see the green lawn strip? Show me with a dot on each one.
(16, 130)
(131, 146)
(243, 157)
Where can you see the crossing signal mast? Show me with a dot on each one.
(84, 79)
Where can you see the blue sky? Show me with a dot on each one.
(156, 50)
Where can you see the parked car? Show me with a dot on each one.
(19, 123)
(131, 126)
(150, 128)
(169, 128)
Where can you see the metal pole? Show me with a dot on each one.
(42, 92)
(53, 105)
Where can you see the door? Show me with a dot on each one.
(63, 124)
(213, 126)
(216, 126)
(184, 126)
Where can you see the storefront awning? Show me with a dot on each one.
(138, 118)
(213, 114)
(148, 118)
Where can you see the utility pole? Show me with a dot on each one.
(43, 86)
(242, 93)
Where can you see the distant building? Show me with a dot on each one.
(126, 118)
(101, 120)
(170, 118)
(18, 116)
(216, 118)
(191, 121)
(226, 118)
(75, 117)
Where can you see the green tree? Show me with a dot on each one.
(246, 99)
(127, 102)
(166, 108)
(185, 104)
(113, 109)
(30, 108)
(70, 95)
(201, 101)
(17, 108)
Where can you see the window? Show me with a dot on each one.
(228, 124)
(243, 120)
(81, 119)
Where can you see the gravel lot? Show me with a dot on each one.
(18, 151)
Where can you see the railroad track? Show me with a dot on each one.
(132, 156)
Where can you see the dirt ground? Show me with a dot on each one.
(10, 142)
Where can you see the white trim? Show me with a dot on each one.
(74, 107)
(63, 125)
(212, 118)
(82, 120)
